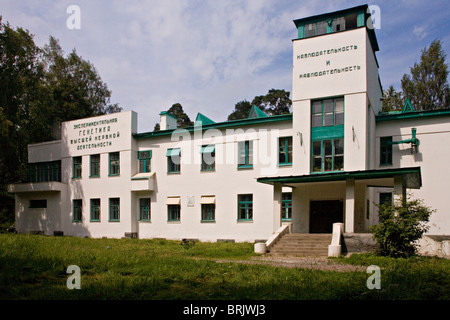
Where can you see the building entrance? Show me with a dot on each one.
(322, 215)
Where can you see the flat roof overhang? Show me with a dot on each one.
(380, 177)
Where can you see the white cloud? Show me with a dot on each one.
(420, 32)
(205, 54)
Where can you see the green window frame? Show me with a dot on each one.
(173, 160)
(245, 207)
(284, 151)
(245, 154)
(327, 112)
(208, 212)
(208, 153)
(44, 171)
(144, 209)
(76, 167)
(114, 209)
(77, 206)
(94, 166)
(286, 206)
(114, 164)
(145, 160)
(95, 210)
(385, 151)
(173, 212)
(327, 155)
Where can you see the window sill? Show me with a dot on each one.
(245, 220)
(245, 167)
(94, 177)
(173, 221)
(285, 164)
(145, 220)
(114, 220)
(113, 175)
(208, 221)
(94, 220)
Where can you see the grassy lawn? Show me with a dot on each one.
(34, 267)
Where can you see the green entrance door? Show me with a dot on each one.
(322, 215)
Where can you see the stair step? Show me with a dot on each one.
(302, 244)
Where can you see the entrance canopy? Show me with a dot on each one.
(384, 177)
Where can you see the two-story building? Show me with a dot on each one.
(330, 161)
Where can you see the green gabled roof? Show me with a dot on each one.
(256, 112)
(407, 107)
(202, 120)
(219, 125)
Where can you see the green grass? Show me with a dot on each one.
(34, 267)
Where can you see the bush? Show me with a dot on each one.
(401, 224)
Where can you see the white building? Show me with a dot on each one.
(329, 161)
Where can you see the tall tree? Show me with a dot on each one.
(38, 89)
(275, 102)
(241, 110)
(392, 99)
(427, 86)
(182, 118)
(71, 89)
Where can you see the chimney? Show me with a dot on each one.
(168, 121)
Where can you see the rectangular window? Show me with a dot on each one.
(328, 155)
(114, 163)
(95, 166)
(328, 112)
(145, 158)
(173, 212)
(44, 171)
(144, 209)
(208, 212)
(245, 207)
(173, 160)
(385, 197)
(286, 206)
(77, 210)
(95, 209)
(38, 204)
(208, 158)
(385, 151)
(245, 154)
(285, 151)
(114, 209)
(76, 170)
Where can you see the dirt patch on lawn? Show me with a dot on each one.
(311, 263)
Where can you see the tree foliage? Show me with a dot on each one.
(241, 110)
(275, 102)
(392, 100)
(182, 118)
(427, 86)
(39, 88)
(400, 225)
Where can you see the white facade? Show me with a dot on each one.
(319, 165)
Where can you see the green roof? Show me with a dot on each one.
(202, 120)
(412, 176)
(219, 125)
(256, 112)
(401, 115)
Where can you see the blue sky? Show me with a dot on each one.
(209, 55)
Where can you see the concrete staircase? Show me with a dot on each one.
(302, 244)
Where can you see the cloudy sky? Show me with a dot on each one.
(209, 55)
